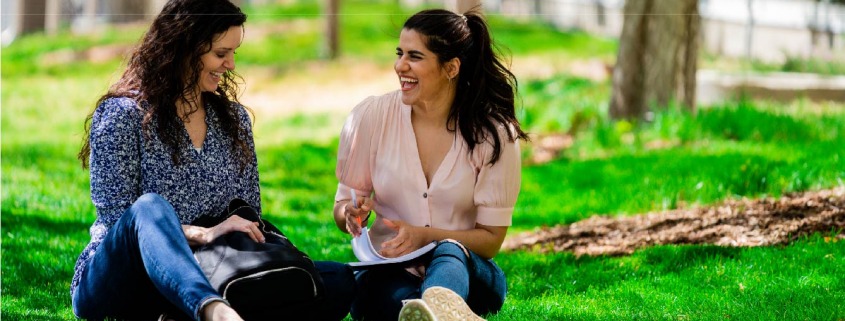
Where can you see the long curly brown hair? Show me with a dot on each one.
(165, 67)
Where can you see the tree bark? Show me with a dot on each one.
(332, 29)
(33, 18)
(626, 100)
(657, 58)
(462, 6)
(127, 10)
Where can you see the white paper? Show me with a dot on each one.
(368, 256)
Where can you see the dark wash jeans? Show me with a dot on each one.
(480, 282)
(144, 267)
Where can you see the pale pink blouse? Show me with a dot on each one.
(378, 156)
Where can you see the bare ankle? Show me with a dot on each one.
(219, 311)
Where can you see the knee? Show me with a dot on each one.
(337, 278)
(450, 248)
(339, 282)
(79, 309)
(82, 308)
(152, 207)
(150, 200)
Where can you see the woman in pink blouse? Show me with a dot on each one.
(438, 161)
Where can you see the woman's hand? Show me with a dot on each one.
(408, 238)
(200, 235)
(358, 214)
(236, 224)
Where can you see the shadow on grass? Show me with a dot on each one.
(37, 264)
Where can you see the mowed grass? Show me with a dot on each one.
(735, 149)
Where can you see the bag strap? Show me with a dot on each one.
(241, 208)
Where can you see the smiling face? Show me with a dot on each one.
(422, 78)
(220, 59)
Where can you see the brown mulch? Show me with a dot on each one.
(743, 222)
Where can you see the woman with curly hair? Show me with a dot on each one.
(167, 144)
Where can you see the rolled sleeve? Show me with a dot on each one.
(497, 186)
(495, 216)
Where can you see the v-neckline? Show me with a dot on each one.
(204, 143)
(447, 160)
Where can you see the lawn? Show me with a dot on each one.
(732, 149)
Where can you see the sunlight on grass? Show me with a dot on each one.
(678, 282)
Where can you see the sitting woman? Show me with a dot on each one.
(439, 161)
(167, 144)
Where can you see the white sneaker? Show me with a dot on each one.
(447, 306)
(416, 310)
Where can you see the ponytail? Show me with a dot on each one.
(486, 89)
(485, 96)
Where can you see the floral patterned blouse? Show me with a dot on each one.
(125, 165)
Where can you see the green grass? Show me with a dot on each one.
(832, 65)
(735, 149)
(795, 282)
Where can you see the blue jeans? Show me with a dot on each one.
(144, 267)
(480, 282)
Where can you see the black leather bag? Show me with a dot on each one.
(260, 280)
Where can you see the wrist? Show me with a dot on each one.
(424, 234)
(348, 211)
(208, 234)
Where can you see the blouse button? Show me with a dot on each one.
(425, 195)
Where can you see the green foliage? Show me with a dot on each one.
(833, 65)
(735, 149)
(64, 53)
(275, 12)
(794, 64)
(561, 104)
(530, 37)
(803, 65)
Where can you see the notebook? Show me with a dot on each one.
(368, 256)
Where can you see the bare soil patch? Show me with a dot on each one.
(743, 222)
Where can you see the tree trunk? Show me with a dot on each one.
(127, 10)
(657, 58)
(33, 18)
(53, 17)
(461, 6)
(332, 29)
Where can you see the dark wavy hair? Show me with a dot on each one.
(486, 89)
(165, 67)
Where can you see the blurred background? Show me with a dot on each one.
(715, 50)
